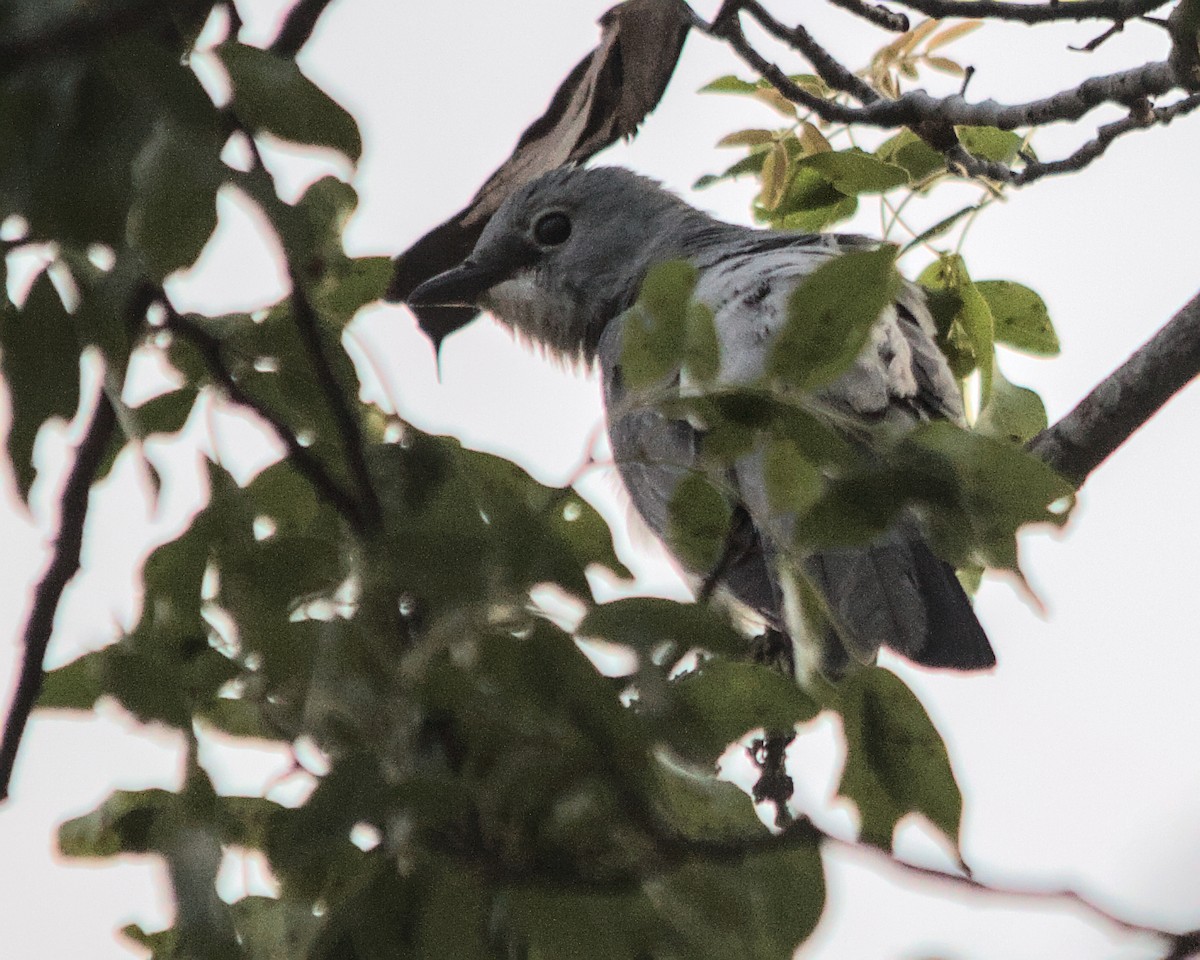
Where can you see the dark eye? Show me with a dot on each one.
(551, 229)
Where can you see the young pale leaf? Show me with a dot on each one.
(656, 327)
(774, 177)
(896, 762)
(951, 34)
(271, 94)
(747, 138)
(1013, 413)
(1022, 320)
(853, 172)
(830, 315)
(729, 84)
(40, 357)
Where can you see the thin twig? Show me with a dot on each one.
(828, 67)
(349, 432)
(298, 27)
(304, 460)
(1035, 12)
(63, 566)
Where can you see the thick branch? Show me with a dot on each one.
(874, 13)
(918, 107)
(300, 457)
(63, 565)
(1035, 12)
(1126, 399)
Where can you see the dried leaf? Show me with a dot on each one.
(951, 34)
(945, 65)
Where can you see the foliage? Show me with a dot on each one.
(370, 593)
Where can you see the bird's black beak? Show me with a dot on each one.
(461, 286)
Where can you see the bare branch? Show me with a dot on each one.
(63, 566)
(829, 68)
(1125, 400)
(298, 27)
(349, 431)
(874, 13)
(303, 459)
(1035, 12)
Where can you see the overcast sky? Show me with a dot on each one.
(1076, 755)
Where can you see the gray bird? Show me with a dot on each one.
(563, 260)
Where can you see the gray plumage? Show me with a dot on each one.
(561, 262)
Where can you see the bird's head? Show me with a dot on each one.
(564, 255)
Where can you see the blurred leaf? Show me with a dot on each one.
(701, 806)
(553, 923)
(1021, 318)
(455, 917)
(656, 327)
(698, 523)
(128, 821)
(896, 762)
(830, 316)
(73, 686)
(706, 710)
(1013, 413)
(270, 93)
(946, 65)
(649, 623)
(272, 929)
(793, 481)
(40, 357)
(701, 349)
(166, 413)
(761, 906)
(175, 181)
(774, 177)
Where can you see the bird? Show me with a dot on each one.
(562, 262)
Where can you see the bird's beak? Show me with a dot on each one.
(461, 286)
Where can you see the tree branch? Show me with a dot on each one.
(303, 459)
(1124, 400)
(298, 27)
(63, 566)
(1035, 12)
(879, 15)
(349, 432)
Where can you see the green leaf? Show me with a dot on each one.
(649, 623)
(1013, 413)
(656, 327)
(1021, 318)
(896, 762)
(966, 329)
(999, 146)
(708, 709)
(810, 202)
(593, 925)
(455, 917)
(698, 523)
(792, 480)
(699, 805)
(729, 84)
(174, 212)
(41, 366)
(74, 686)
(127, 822)
(701, 349)
(830, 316)
(1000, 489)
(166, 413)
(760, 907)
(913, 154)
(270, 93)
(853, 172)
(271, 929)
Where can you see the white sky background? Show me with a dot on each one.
(1076, 755)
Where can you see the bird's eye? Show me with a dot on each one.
(551, 229)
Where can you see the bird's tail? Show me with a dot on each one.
(896, 593)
